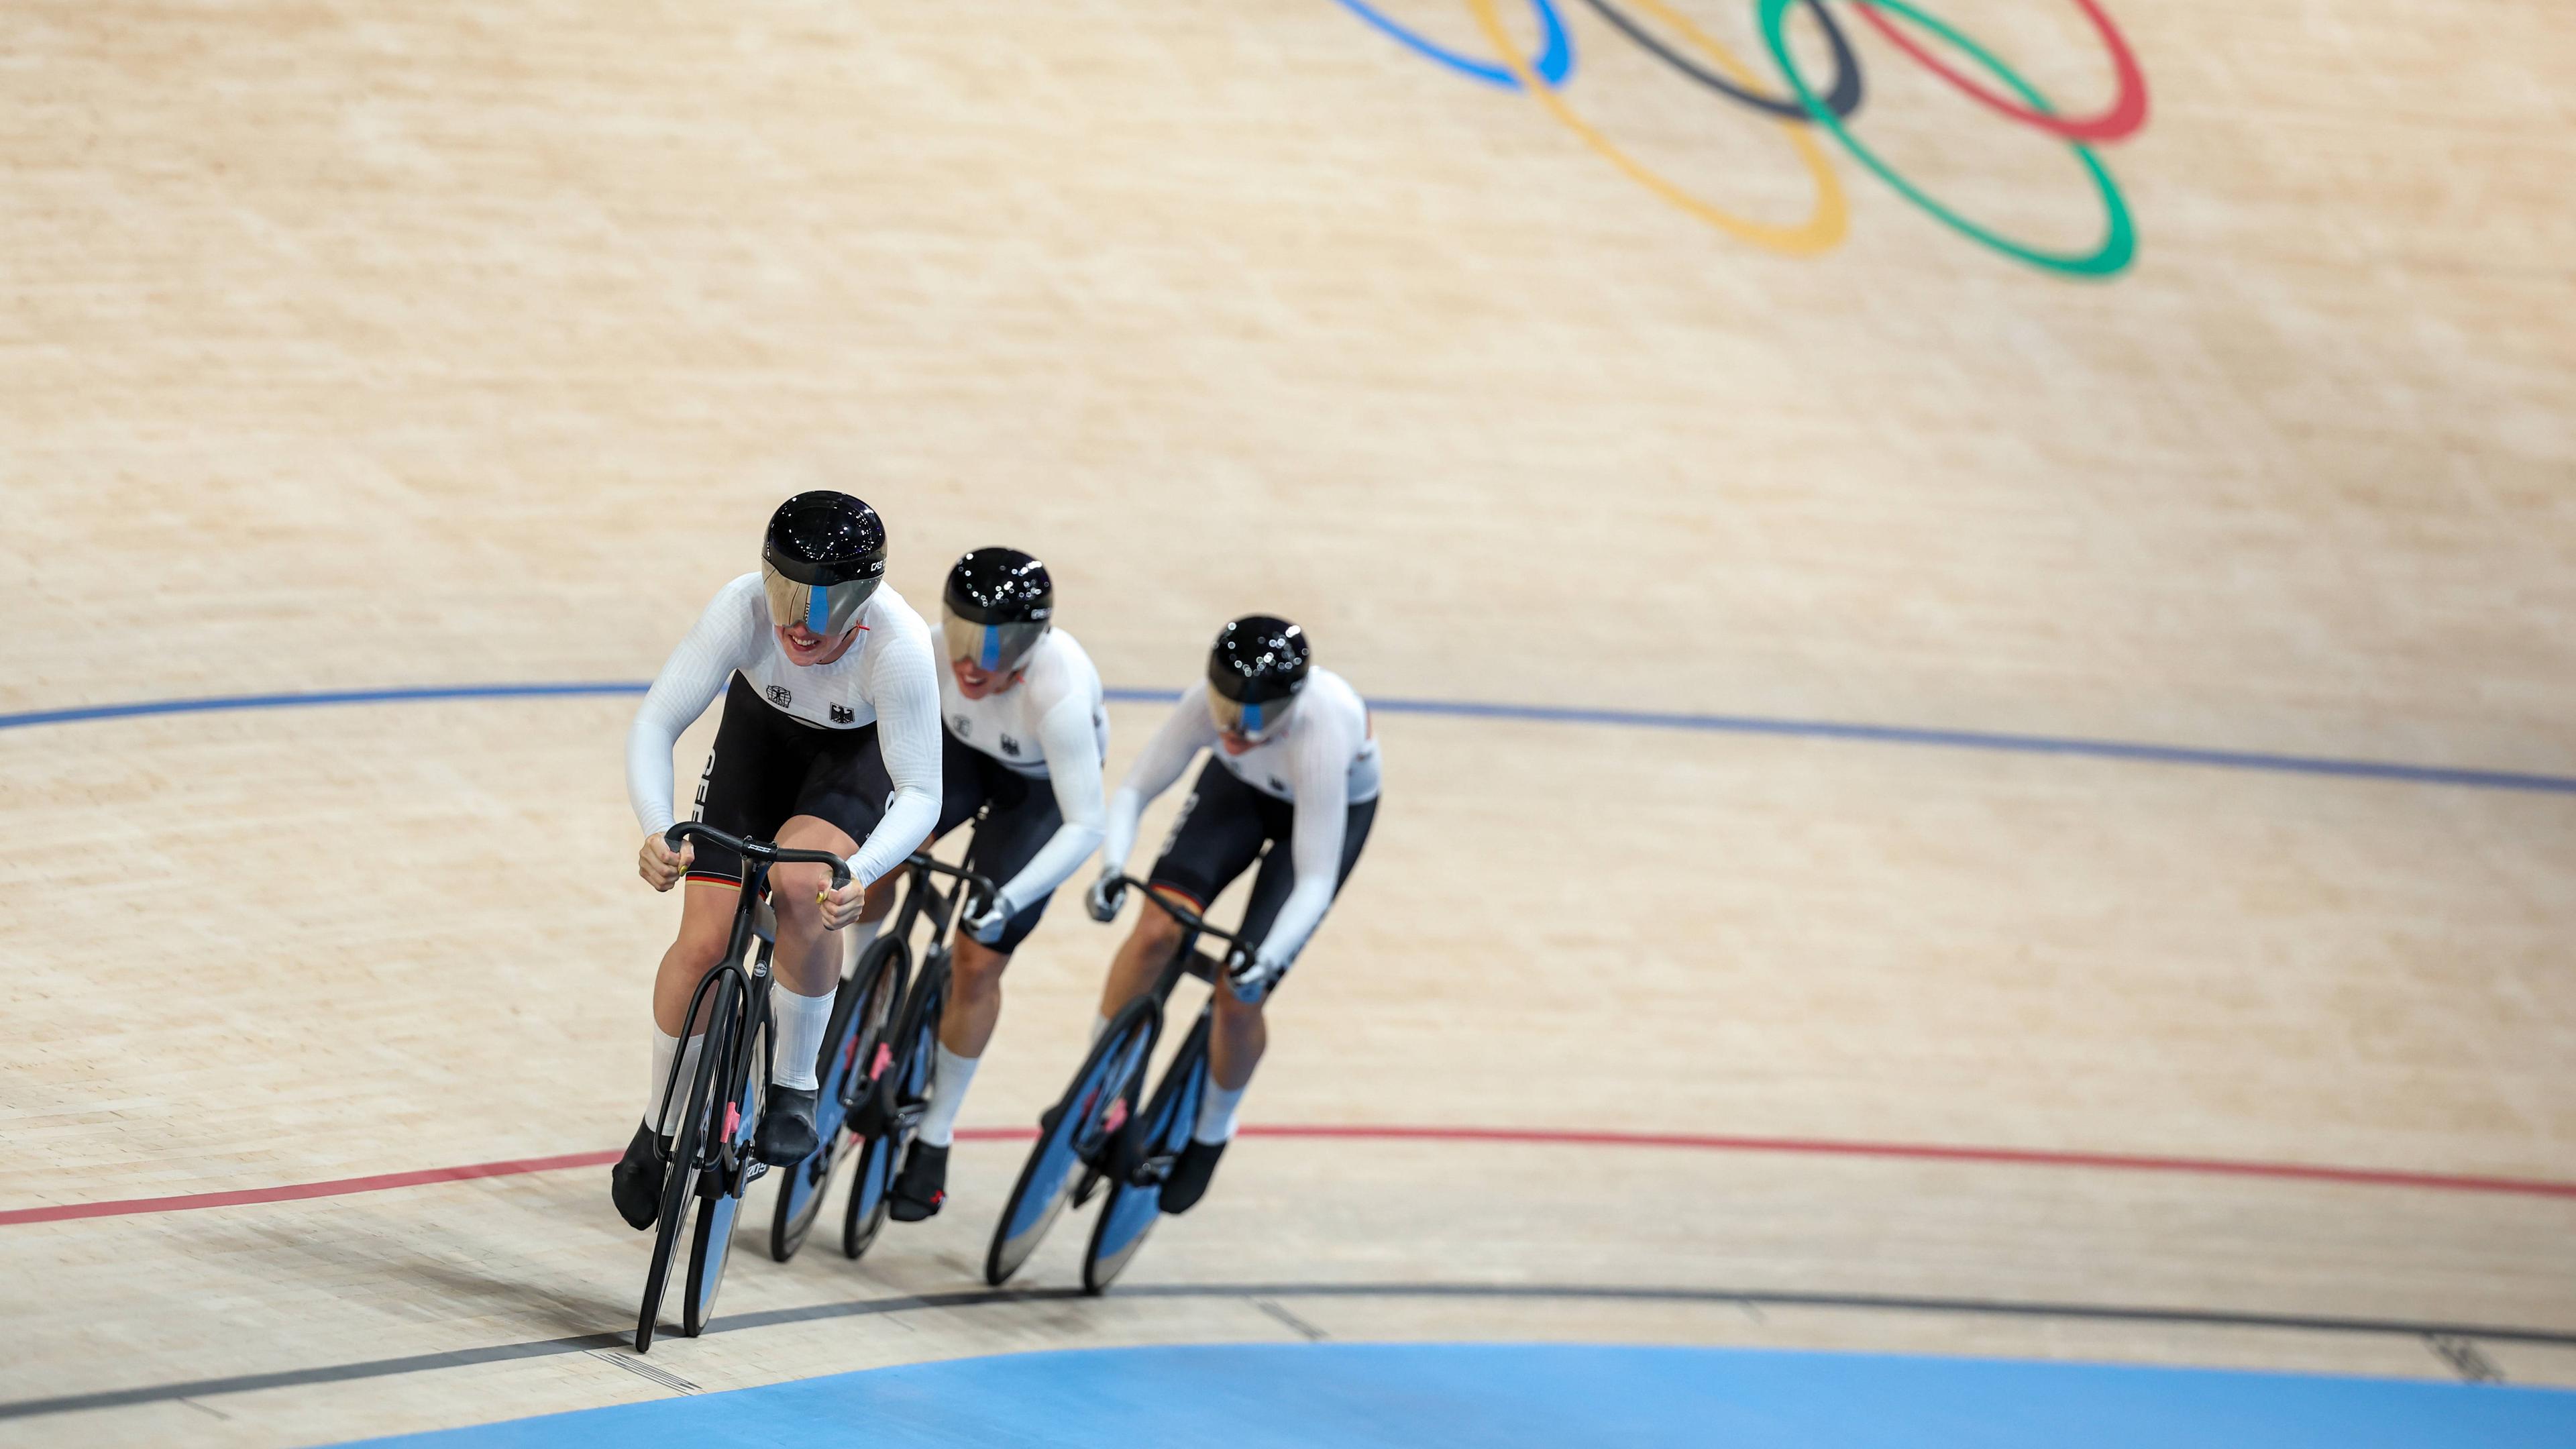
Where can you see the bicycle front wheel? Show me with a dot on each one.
(681, 1176)
(712, 1247)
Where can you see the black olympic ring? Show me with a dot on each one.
(1842, 99)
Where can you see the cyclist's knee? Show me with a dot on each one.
(977, 967)
(1156, 929)
(792, 892)
(695, 953)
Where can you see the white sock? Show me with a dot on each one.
(1216, 1113)
(948, 1081)
(855, 938)
(666, 1047)
(1099, 1024)
(801, 1022)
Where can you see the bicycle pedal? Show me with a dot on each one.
(1090, 1185)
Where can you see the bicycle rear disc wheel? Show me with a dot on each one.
(1126, 1218)
(858, 1024)
(1132, 1208)
(871, 1194)
(1105, 1082)
(711, 1248)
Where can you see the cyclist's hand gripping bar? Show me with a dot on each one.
(766, 852)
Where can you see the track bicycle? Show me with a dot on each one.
(878, 1059)
(711, 1153)
(1094, 1136)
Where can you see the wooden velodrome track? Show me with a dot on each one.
(349, 348)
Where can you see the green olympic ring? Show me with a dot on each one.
(2119, 244)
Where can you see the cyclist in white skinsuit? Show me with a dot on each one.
(1027, 728)
(1293, 783)
(830, 741)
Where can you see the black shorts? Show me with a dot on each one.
(1224, 827)
(1018, 817)
(769, 766)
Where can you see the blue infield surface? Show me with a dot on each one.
(1414, 1396)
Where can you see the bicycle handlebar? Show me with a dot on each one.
(768, 852)
(976, 885)
(1190, 920)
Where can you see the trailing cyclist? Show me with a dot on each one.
(1027, 729)
(1293, 783)
(829, 741)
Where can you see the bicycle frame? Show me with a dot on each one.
(1141, 1151)
(715, 1165)
(1187, 960)
(757, 857)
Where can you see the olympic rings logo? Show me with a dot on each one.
(1801, 110)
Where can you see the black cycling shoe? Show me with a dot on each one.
(922, 1185)
(1190, 1173)
(786, 1133)
(635, 1183)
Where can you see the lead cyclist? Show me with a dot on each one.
(1292, 782)
(830, 741)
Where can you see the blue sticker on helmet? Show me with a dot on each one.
(818, 607)
(1252, 719)
(992, 656)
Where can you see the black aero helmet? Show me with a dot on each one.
(825, 554)
(998, 605)
(1254, 673)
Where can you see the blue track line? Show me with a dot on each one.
(216, 703)
(1472, 709)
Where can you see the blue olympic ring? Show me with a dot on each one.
(1553, 63)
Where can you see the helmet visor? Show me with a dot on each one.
(830, 610)
(1255, 722)
(993, 648)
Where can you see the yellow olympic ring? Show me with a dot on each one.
(1823, 228)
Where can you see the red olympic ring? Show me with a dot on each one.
(2128, 109)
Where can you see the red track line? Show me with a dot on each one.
(2013, 1156)
(293, 1191)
